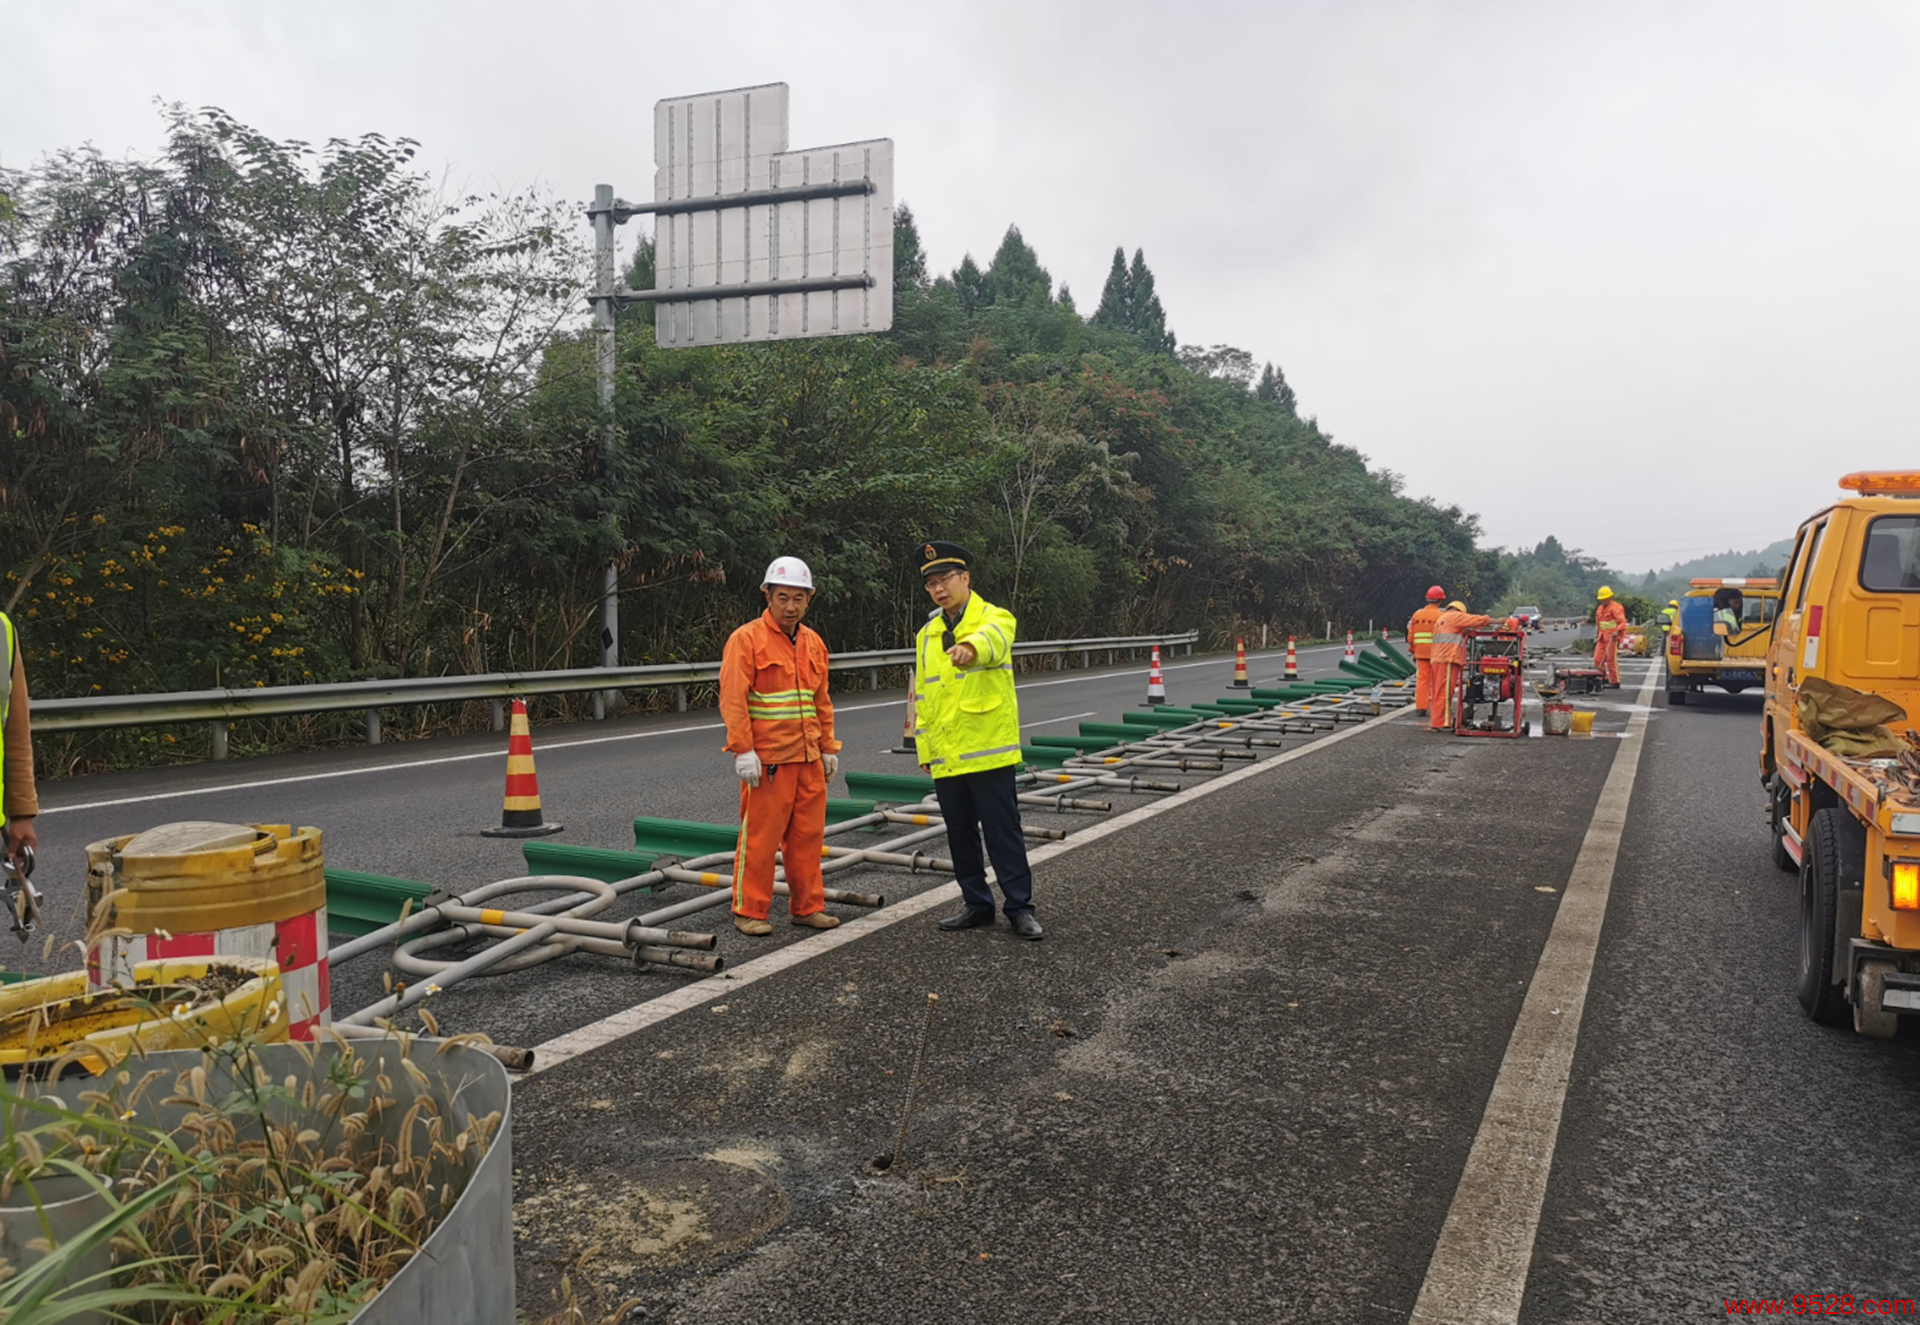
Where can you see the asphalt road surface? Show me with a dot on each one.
(1255, 1071)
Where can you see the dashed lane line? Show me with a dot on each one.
(628, 1021)
(1478, 1274)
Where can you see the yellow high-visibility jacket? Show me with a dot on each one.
(968, 718)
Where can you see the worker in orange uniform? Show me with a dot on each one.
(1449, 656)
(773, 695)
(1610, 624)
(1420, 641)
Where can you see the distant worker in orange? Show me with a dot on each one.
(1449, 656)
(773, 695)
(1610, 624)
(1420, 641)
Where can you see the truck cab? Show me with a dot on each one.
(1720, 636)
(1850, 826)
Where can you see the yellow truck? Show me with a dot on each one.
(1844, 800)
(1720, 636)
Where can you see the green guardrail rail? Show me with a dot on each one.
(891, 787)
(1076, 742)
(600, 863)
(359, 903)
(1161, 719)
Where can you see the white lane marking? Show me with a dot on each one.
(555, 745)
(1478, 1274)
(628, 1021)
(1046, 722)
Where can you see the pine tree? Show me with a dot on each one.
(1116, 307)
(909, 258)
(1149, 320)
(1016, 276)
(1273, 389)
(971, 282)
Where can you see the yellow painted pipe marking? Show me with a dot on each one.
(710, 880)
(493, 917)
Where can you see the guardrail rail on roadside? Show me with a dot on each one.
(219, 707)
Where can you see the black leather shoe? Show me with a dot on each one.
(1024, 925)
(966, 918)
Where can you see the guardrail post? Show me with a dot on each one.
(599, 705)
(499, 716)
(1189, 648)
(218, 731)
(680, 699)
(373, 726)
(873, 678)
(1060, 661)
(1109, 657)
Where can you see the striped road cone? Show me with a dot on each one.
(520, 812)
(1240, 681)
(1350, 655)
(1293, 663)
(1156, 686)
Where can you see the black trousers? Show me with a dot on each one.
(983, 803)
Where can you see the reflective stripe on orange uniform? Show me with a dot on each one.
(1609, 617)
(1420, 630)
(786, 813)
(773, 694)
(1449, 644)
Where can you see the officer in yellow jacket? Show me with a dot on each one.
(18, 802)
(969, 738)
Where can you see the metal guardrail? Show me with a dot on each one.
(219, 707)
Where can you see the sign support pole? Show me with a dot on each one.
(604, 285)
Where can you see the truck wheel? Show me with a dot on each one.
(1869, 1018)
(1675, 697)
(1834, 852)
(1780, 811)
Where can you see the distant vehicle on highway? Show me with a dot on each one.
(1721, 636)
(1844, 795)
(1529, 617)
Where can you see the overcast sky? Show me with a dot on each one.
(1641, 275)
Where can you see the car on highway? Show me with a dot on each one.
(1529, 617)
(1837, 753)
(1721, 636)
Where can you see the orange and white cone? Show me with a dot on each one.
(1293, 663)
(1350, 655)
(1156, 685)
(520, 811)
(1240, 681)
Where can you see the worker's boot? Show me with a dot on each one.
(818, 920)
(748, 925)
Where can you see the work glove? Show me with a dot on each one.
(746, 767)
(830, 765)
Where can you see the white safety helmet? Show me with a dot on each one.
(790, 571)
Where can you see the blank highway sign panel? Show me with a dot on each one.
(721, 144)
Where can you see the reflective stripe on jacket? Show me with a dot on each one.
(1449, 644)
(1609, 616)
(969, 719)
(773, 694)
(1420, 630)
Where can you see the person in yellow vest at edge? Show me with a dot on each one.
(969, 738)
(18, 801)
(773, 697)
(1609, 624)
(1668, 614)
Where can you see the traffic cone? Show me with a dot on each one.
(1350, 655)
(1240, 681)
(1156, 687)
(520, 811)
(1293, 663)
(908, 745)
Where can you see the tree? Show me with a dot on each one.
(1128, 303)
(1273, 390)
(909, 258)
(1015, 276)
